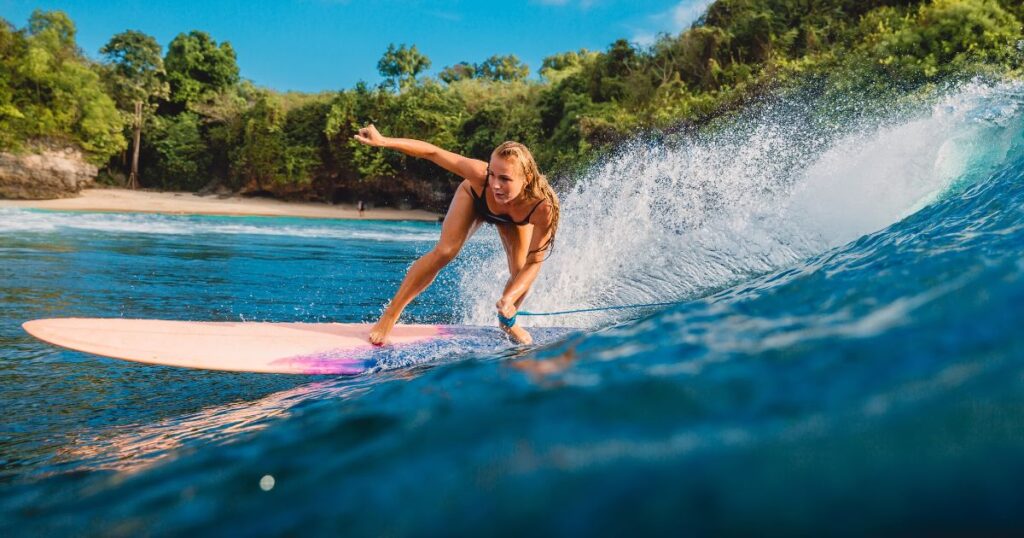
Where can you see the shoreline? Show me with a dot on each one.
(187, 203)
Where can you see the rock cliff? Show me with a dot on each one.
(45, 173)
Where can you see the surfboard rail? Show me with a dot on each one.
(267, 347)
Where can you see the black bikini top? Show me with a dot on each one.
(480, 203)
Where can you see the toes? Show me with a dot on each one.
(379, 333)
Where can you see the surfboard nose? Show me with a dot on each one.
(35, 327)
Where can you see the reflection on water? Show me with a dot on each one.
(134, 447)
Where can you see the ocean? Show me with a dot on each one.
(845, 354)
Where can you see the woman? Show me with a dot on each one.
(509, 192)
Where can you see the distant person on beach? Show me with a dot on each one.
(361, 207)
(525, 211)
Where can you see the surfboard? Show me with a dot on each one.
(287, 348)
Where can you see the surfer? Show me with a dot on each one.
(509, 192)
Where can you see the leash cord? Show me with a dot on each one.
(596, 309)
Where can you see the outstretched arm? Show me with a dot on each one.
(539, 243)
(452, 162)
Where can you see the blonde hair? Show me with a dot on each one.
(537, 186)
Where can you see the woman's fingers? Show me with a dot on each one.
(367, 135)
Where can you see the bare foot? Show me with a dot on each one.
(380, 331)
(518, 334)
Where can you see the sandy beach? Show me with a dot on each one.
(186, 203)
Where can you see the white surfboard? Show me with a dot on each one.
(292, 348)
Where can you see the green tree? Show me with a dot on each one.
(349, 111)
(701, 55)
(12, 52)
(266, 159)
(198, 68)
(400, 66)
(503, 68)
(558, 66)
(56, 30)
(258, 157)
(136, 75)
(53, 92)
(182, 155)
(942, 37)
(457, 72)
(610, 74)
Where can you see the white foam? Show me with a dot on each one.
(24, 221)
(874, 178)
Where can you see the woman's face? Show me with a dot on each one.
(505, 178)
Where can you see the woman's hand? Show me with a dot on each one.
(506, 308)
(452, 162)
(368, 135)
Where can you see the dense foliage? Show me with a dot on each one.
(49, 92)
(213, 129)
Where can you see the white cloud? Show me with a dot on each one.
(688, 11)
(674, 20)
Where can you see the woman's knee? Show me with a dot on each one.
(445, 253)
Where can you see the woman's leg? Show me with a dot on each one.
(516, 240)
(459, 223)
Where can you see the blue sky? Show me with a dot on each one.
(314, 45)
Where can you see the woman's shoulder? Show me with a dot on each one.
(475, 173)
(542, 212)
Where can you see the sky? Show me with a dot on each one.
(327, 45)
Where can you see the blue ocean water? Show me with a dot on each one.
(847, 355)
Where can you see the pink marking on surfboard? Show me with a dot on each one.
(324, 364)
(354, 361)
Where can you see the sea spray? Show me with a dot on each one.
(876, 176)
(661, 221)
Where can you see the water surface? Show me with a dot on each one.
(847, 354)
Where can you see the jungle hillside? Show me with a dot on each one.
(182, 116)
